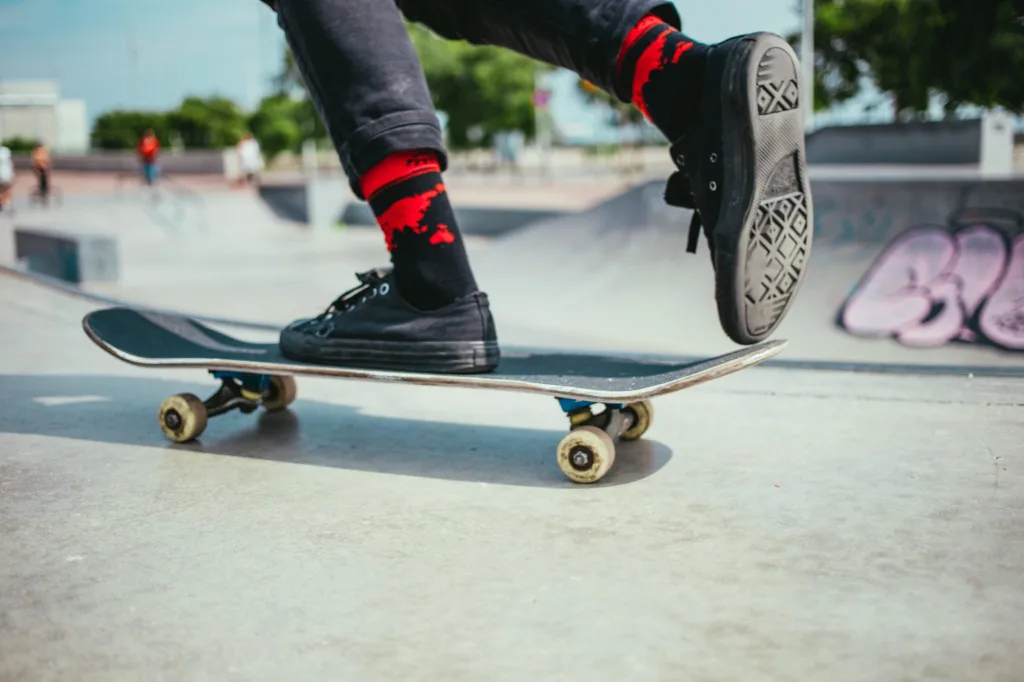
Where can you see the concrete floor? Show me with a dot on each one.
(775, 525)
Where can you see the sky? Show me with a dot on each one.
(150, 55)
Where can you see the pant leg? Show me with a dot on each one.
(581, 35)
(364, 77)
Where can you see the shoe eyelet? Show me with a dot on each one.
(384, 289)
(681, 160)
(714, 157)
(373, 293)
(713, 185)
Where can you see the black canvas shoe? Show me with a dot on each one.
(372, 326)
(742, 167)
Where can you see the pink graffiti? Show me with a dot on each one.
(1002, 318)
(930, 287)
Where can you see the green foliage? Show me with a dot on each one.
(122, 129)
(276, 125)
(482, 89)
(289, 78)
(212, 123)
(970, 52)
(18, 145)
(980, 50)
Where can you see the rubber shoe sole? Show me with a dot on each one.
(760, 268)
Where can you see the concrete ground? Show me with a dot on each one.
(776, 524)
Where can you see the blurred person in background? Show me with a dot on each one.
(41, 166)
(731, 112)
(149, 152)
(250, 159)
(6, 177)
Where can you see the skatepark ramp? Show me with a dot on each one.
(924, 272)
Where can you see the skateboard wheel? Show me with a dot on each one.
(643, 417)
(280, 394)
(586, 454)
(182, 417)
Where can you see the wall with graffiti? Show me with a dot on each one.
(957, 282)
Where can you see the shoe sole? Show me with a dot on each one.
(760, 268)
(435, 357)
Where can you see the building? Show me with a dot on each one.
(33, 109)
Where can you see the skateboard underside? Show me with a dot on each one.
(605, 397)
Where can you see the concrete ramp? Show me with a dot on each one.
(923, 273)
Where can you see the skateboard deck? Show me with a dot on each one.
(607, 398)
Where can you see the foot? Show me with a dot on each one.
(742, 167)
(373, 326)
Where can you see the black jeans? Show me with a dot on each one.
(366, 80)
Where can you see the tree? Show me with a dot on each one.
(981, 53)
(482, 89)
(276, 125)
(18, 145)
(289, 79)
(212, 123)
(967, 52)
(122, 129)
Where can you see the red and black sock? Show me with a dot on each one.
(409, 198)
(663, 70)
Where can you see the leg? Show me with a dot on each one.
(426, 313)
(731, 111)
(363, 74)
(584, 36)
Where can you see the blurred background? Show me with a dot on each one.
(915, 143)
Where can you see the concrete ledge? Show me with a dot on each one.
(324, 201)
(203, 162)
(288, 202)
(75, 258)
(476, 220)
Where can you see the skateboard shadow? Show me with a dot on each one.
(122, 410)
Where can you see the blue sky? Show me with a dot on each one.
(226, 47)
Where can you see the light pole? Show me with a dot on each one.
(133, 65)
(807, 62)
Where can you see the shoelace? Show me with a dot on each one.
(679, 193)
(370, 283)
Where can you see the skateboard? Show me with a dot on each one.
(606, 398)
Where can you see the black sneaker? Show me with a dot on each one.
(372, 326)
(742, 167)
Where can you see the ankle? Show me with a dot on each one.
(397, 167)
(663, 70)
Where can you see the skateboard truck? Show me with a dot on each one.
(587, 452)
(184, 416)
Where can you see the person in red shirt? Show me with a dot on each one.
(149, 150)
(731, 113)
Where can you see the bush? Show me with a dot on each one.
(18, 145)
(213, 123)
(275, 125)
(122, 129)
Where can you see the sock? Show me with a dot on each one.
(663, 70)
(409, 198)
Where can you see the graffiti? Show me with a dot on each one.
(935, 285)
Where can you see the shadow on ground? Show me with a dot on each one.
(123, 410)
